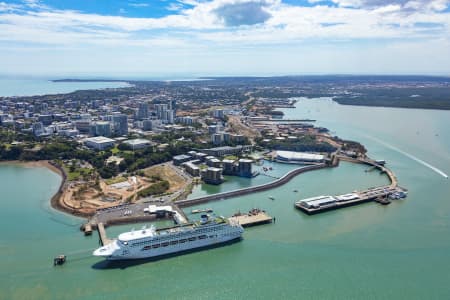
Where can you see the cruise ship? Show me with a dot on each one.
(151, 242)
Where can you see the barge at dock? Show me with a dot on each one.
(252, 218)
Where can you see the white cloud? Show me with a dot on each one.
(286, 21)
(7, 7)
(407, 5)
(206, 27)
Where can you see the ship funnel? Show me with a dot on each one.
(204, 218)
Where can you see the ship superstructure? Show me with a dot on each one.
(150, 242)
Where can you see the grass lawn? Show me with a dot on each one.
(77, 173)
(115, 180)
(115, 150)
(231, 157)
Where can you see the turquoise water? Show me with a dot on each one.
(32, 87)
(400, 251)
(233, 182)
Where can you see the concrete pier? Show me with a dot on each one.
(102, 234)
(253, 218)
(363, 197)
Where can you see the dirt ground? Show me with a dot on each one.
(176, 181)
(91, 199)
(240, 128)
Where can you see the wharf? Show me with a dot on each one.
(132, 213)
(253, 218)
(364, 196)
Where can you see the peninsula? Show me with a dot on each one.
(154, 141)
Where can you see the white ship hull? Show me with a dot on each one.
(169, 243)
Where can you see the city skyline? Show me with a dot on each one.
(224, 37)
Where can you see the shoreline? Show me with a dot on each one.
(34, 164)
(55, 200)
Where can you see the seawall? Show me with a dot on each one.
(284, 179)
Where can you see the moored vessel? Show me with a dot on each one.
(151, 242)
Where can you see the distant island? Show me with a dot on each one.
(88, 80)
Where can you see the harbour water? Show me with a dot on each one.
(41, 86)
(399, 251)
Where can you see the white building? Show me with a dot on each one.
(99, 142)
(138, 143)
(299, 157)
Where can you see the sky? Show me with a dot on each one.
(143, 38)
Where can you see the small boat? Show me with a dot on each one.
(295, 191)
(255, 212)
(383, 200)
(271, 198)
(59, 260)
(205, 210)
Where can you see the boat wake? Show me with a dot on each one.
(424, 163)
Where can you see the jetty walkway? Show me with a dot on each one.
(373, 163)
(368, 195)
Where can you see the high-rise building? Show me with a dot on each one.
(218, 113)
(245, 167)
(160, 110)
(217, 138)
(212, 175)
(83, 126)
(120, 123)
(38, 128)
(169, 118)
(45, 119)
(143, 111)
(212, 129)
(147, 125)
(101, 128)
(165, 113)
